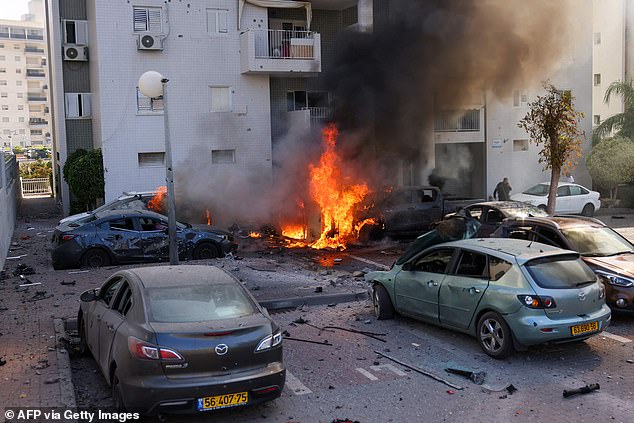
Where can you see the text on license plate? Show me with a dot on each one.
(585, 328)
(223, 401)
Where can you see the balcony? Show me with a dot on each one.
(309, 117)
(37, 121)
(33, 50)
(280, 53)
(459, 126)
(35, 73)
(36, 97)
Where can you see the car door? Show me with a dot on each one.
(155, 238)
(425, 209)
(112, 318)
(398, 212)
(121, 237)
(461, 291)
(93, 320)
(564, 200)
(578, 198)
(416, 286)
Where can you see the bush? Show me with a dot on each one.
(83, 171)
(37, 169)
(611, 162)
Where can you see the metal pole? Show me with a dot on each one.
(169, 175)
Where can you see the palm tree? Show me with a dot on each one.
(621, 123)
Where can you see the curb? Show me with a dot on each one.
(282, 303)
(67, 389)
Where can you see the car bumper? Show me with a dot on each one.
(66, 256)
(619, 297)
(531, 327)
(159, 394)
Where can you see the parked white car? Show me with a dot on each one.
(571, 198)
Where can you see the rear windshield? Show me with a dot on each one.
(527, 211)
(560, 272)
(537, 190)
(197, 303)
(593, 241)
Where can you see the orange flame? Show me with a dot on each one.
(255, 235)
(208, 216)
(156, 203)
(335, 195)
(294, 231)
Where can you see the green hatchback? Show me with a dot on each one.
(509, 293)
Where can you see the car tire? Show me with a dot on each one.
(95, 258)
(542, 207)
(117, 394)
(383, 308)
(588, 210)
(83, 344)
(206, 250)
(494, 335)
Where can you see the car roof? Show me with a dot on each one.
(558, 222)
(129, 194)
(503, 204)
(129, 213)
(521, 249)
(173, 276)
(561, 183)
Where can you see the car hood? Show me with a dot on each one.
(73, 218)
(622, 264)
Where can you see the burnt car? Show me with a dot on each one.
(127, 200)
(607, 253)
(181, 339)
(490, 214)
(132, 236)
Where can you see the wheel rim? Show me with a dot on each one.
(207, 252)
(95, 260)
(377, 307)
(492, 335)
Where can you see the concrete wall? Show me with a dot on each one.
(8, 207)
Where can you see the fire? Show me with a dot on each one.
(335, 195)
(208, 216)
(294, 231)
(156, 203)
(255, 235)
(369, 221)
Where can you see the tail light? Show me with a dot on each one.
(146, 351)
(270, 341)
(67, 237)
(537, 302)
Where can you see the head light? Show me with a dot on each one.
(614, 279)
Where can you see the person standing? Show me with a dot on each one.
(503, 190)
(568, 178)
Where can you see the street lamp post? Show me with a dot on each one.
(153, 85)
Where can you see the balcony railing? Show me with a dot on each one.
(280, 52)
(36, 187)
(319, 114)
(36, 97)
(457, 121)
(33, 50)
(38, 121)
(35, 73)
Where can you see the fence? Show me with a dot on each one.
(463, 120)
(36, 187)
(280, 44)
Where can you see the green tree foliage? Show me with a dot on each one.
(621, 123)
(84, 173)
(36, 169)
(611, 163)
(553, 123)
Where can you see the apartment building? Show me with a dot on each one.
(24, 86)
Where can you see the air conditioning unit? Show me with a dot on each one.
(75, 53)
(150, 42)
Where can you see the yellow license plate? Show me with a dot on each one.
(223, 401)
(585, 328)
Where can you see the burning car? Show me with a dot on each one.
(132, 236)
(126, 201)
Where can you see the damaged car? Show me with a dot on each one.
(508, 293)
(132, 236)
(181, 339)
(126, 201)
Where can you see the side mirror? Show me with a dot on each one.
(407, 267)
(88, 296)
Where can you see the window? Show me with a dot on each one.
(3, 70)
(3, 57)
(575, 190)
(18, 32)
(121, 225)
(520, 145)
(472, 265)
(18, 83)
(300, 100)
(563, 191)
(76, 32)
(150, 225)
(20, 119)
(475, 212)
(78, 105)
(498, 268)
(21, 107)
(223, 156)
(597, 38)
(18, 58)
(550, 237)
(434, 262)
(516, 98)
(3, 82)
(494, 217)
(5, 119)
(22, 131)
(156, 159)
(18, 71)
(148, 19)
(147, 104)
(16, 47)
(4, 95)
(36, 132)
(107, 293)
(123, 302)
(20, 95)
(560, 272)
(5, 107)
(220, 99)
(596, 119)
(597, 79)
(217, 21)
(35, 34)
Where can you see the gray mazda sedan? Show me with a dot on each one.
(181, 339)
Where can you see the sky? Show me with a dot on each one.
(13, 9)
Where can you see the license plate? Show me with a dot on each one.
(223, 401)
(585, 328)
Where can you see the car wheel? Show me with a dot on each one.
(117, 394)
(83, 344)
(588, 210)
(206, 250)
(383, 308)
(95, 258)
(542, 207)
(494, 335)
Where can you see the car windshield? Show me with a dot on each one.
(525, 211)
(81, 221)
(197, 303)
(597, 241)
(539, 189)
(560, 272)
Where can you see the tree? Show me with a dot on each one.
(621, 123)
(611, 163)
(36, 169)
(84, 173)
(552, 122)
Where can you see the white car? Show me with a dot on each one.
(571, 198)
(127, 200)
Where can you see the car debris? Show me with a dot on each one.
(508, 388)
(17, 257)
(39, 295)
(421, 371)
(67, 283)
(583, 390)
(475, 377)
(23, 269)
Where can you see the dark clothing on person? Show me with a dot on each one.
(502, 191)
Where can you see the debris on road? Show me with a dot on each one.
(67, 283)
(583, 390)
(475, 377)
(372, 335)
(2, 362)
(17, 257)
(74, 272)
(629, 361)
(39, 295)
(23, 269)
(308, 341)
(421, 371)
(508, 388)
